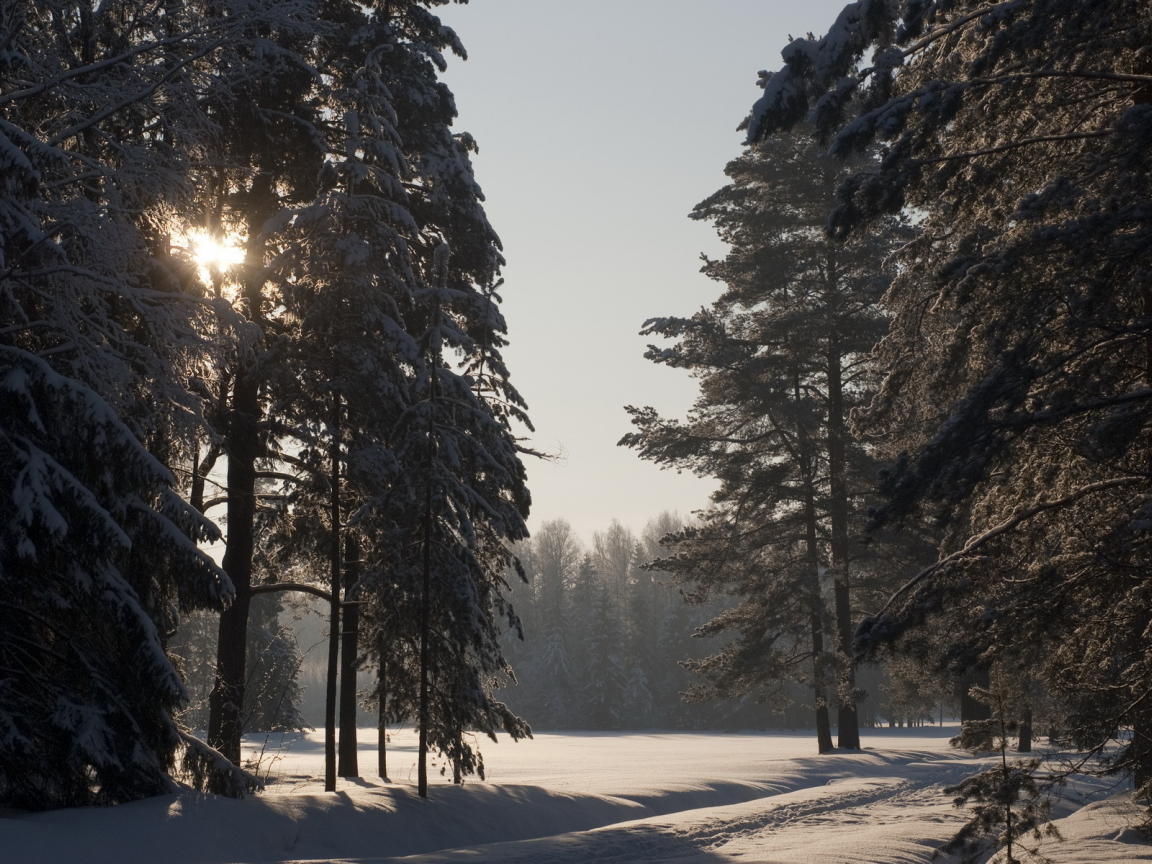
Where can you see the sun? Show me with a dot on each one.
(214, 253)
(213, 256)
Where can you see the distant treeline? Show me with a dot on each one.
(610, 642)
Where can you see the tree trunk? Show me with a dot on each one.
(242, 444)
(348, 766)
(1140, 751)
(425, 615)
(815, 618)
(848, 721)
(972, 709)
(823, 726)
(382, 721)
(815, 623)
(1024, 745)
(334, 615)
(1140, 748)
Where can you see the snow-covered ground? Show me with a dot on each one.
(690, 798)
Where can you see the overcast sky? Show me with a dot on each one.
(601, 123)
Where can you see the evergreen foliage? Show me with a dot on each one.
(781, 362)
(100, 343)
(317, 136)
(95, 560)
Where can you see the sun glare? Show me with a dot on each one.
(214, 254)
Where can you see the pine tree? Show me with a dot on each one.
(582, 625)
(96, 557)
(779, 356)
(273, 140)
(388, 469)
(614, 553)
(665, 635)
(347, 366)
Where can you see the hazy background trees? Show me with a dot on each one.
(620, 651)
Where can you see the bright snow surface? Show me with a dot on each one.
(696, 798)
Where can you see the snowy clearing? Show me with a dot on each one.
(580, 797)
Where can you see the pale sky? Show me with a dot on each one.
(601, 124)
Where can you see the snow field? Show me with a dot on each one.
(690, 798)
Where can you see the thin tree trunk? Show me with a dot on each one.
(848, 721)
(1140, 747)
(815, 623)
(202, 468)
(440, 264)
(348, 763)
(820, 692)
(334, 615)
(425, 615)
(382, 721)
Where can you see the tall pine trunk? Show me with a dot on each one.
(815, 618)
(848, 721)
(1140, 747)
(334, 615)
(440, 269)
(348, 763)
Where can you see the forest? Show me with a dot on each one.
(252, 372)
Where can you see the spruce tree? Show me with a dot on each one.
(549, 673)
(466, 482)
(605, 673)
(266, 160)
(99, 349)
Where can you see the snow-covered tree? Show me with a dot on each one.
(614, 555)
(549, 674)
(100, 347)
(466, 481)
(454, 441)
(96, 565)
